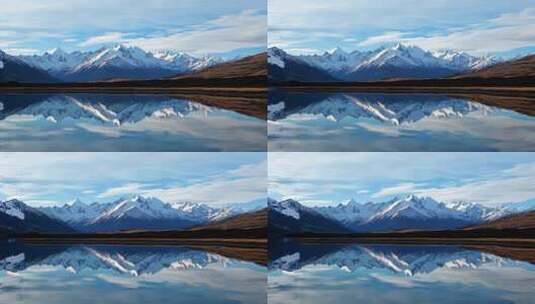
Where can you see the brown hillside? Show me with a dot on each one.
(518, 221)
(252, 66)
(524, 67)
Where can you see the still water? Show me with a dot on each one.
(396, 274)
(313, 121)
(104, 122)
(125, 274)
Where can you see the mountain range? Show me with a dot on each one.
(127, 213)
(399, 61)
(406, 213)
(115, 62)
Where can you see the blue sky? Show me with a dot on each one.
(41, 179)
(330, 178)
(475, 26)
(192, 26)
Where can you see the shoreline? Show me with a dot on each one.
(249, 250)
(495, 90)
(132, 89)
(250, 101)
(505, 242)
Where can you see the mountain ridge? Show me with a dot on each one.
(399, 214)
(128, 213)
(115, 62)
(399, 61)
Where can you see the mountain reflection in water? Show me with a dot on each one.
(312, 121)
(103, 122)
(312, 273)
(125, 274)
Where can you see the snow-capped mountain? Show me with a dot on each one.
(390, 109)
(199, 212)
(210, 214)
(476, 212)
(462, 60)
(285, 67)
(76, 213)
(139, 212)
(399, 61)
(116, 62)
(16, 216)
(289, 216)
(413, 212)
(410, 212)
(55, 61)
(130, 212)
(183, 62)
(17, 70)
(13, 208)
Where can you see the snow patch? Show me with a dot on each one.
(13, 209)
(276, 61)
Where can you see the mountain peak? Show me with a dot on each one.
(76, 202)
(403, 47)
(57, 52)
(351, 202)
(411, 197)
(14, 208)
(338, 51)
(119, 47)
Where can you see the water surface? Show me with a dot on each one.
(105, 274)
(396, 274)
(315, 121)
(104, 122)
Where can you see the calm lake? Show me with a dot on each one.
(125, 274)
(396, 274)
(104, 122)
(313, 121)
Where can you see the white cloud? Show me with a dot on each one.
(130, 188)
(216, 36)
(242, 185)
(470, 25)
(157, 24)
(112, 37)
(498, 35)
(395, 190)
(491, 192)
(488, 178)
(383, 38)
(52, 178)
(224, 34)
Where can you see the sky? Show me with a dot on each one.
(322, 179)
(194, 26)
(503, 28)
(216, 179)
